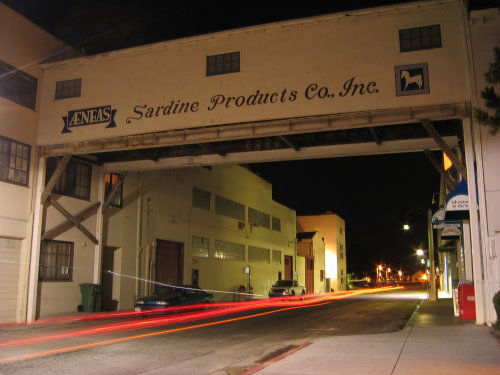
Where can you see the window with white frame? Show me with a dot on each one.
(56, 261)
(70, 88)
(14, 161)
(223, 63)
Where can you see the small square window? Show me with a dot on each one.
(223, 63)
(68, 89)
(56, 261)
(419, 38)
(14, 161)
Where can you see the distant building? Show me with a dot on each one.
(331, 227)
(311, 247)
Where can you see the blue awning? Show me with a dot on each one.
(457, 203)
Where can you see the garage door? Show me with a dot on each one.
(10, 253)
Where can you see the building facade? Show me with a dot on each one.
(217, 99)
(311, 246)
(331, 228)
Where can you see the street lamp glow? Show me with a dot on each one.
(422, 261)
(380, 268)
(420, 252)
(400, 273)
(406, 227)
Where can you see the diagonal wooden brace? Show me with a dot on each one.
(53, 179)
(444, 146)
(72, 221)
(113, 192)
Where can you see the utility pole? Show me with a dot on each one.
(433, 291)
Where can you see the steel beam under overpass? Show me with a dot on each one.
(319, 152)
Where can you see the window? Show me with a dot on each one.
(419, 38)
(110, 180)
(68, 89)
(229, 250)
(258, 254)
(56, 261)
(200, 247)
(229, 208)
(223, 63)
(257, 217)
(341, 255)
(17, 86)
(321, 275)
(201, 199)
(276, 222)
(14, 161)
(74, 181)
(276, 257)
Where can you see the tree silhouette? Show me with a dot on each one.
(492, 101)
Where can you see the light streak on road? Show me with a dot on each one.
(216, 310)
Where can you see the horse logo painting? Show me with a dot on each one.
(412, 79)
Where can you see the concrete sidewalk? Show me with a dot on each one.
(435, 342)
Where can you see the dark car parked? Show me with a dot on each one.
(168, 296)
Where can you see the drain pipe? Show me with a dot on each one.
(138, 237)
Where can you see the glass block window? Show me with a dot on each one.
(56, 261)
(276, 222)
(229, 208)
(258, 254)
(74, 181)
(14, 161)
(229, 250)
(110, 180)
(17, 86)
(71, 88)
(419, 38)
(258, 218)
(201, 199)
(276, 257)
(200, 247)
(223, 63)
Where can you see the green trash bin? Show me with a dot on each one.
(91, 297)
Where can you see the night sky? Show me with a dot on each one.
(373, 194)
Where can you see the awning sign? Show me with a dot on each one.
(458, 200)
(89, 116)
(451, 230)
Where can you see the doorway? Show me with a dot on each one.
(310, 275)
(169, 262)
(288, 267)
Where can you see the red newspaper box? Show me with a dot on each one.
(466, 301)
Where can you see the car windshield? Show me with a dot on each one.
(284, 283)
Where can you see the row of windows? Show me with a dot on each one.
(200, 248)
(17, 86)
(235, 210)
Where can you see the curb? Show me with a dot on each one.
(414, 316)
(262, 366)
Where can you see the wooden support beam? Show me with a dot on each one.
(143, 156)
(450, 184)
(212, 148)
(375, 136)
(53, 179)
(76, 219)
(289, 143)
(113, 191)
(444, 146)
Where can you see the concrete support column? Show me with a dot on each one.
(475, 229)
(31, 309)
(98, 228)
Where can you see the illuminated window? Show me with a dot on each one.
(201, 199)
(276, 257)
(257, 217)
(258, 254)
(14, 161)
(110, 180)
(17, 86)
(200, 247)
(71, 88)
(419, 38)
(74, 181)
(229, 250)
(276, 222)
(229, 208)
(56, 261)
(223, 63)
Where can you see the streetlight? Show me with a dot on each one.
(420, 252)
(406, 227)
(379, 270)
(400, 273)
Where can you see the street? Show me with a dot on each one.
(225, 339)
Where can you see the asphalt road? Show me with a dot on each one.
(207, 346)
